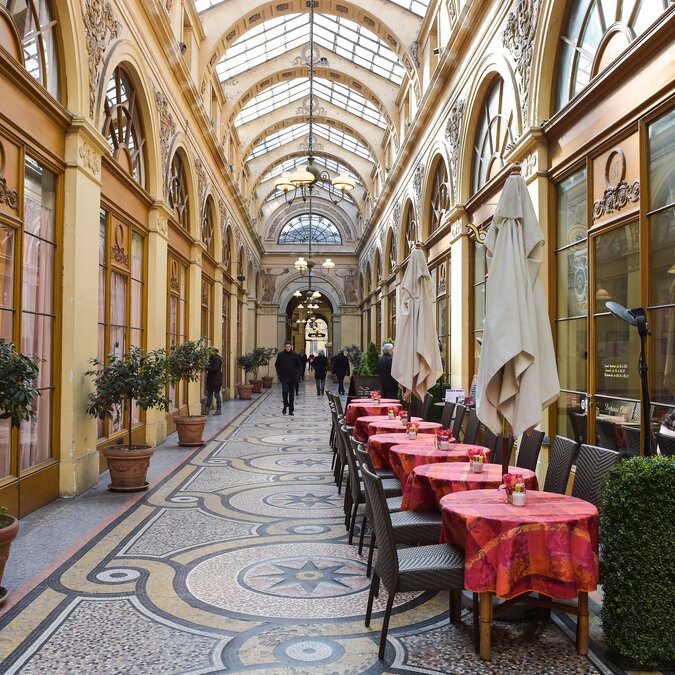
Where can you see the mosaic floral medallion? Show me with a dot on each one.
(284, 501)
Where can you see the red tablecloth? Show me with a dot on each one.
(356, 410)
(426, 484)
(363, 430)
(550, 545)
(404, 458)
(369, 400)
(379, 444)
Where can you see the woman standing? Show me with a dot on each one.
(320, 364)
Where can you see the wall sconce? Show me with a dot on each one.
(437, 50)
(241, 278)
(183, 47)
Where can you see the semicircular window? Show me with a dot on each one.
(298, 231)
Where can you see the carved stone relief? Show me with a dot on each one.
(618, 192)
(201, 181)
(414, 52)
(167, 130)
(168, 5)
(417, 181)
(349, 282)
(518, 38)
(453, 135)
(90, 160)
(8, 195)
(268, 280)
(397, 215)
(101, 27)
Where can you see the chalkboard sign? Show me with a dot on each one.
(361, 386)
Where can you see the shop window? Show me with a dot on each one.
(392, 315)
(597, 33)
(122, 125)
(178, 192)
(207, 312)
(227, 359)
(438, 197)
(478, 293)
(494, 135)
(37, 26)
(177, 319)
(442, 315)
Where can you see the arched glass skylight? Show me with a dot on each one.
(295, 90)
(279, 138)
(291, 165)
(296, 231)
(282, 34)
(418, 7)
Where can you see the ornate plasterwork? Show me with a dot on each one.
(518, 38)
(529, 165)
(268, 280)
(168, 5)
(90, 160)
(222, 210)
(415, 53)
(453, 136)
(417, 181)
(101, 27)
(163, 226)
(167, 129)
(397, 215)
(8, 195)
(618, 193)
(201, 182)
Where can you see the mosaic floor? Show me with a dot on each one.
(239, 562)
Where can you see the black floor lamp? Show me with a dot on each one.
(638, 317)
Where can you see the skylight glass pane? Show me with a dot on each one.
(282, 34)
(297, 231)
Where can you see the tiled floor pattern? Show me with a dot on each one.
(239, 562)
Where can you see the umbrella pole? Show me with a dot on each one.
(506, 446)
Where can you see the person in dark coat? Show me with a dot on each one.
(389, 384)
(320, 365)
(288, 367)
(303, 361)
(341, 370)
(214, 381)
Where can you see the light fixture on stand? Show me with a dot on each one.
(638, 317)
(302, 181)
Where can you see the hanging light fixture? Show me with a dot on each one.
(302, 181)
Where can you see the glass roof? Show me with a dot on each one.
(300, 162)
(419, 7)
(279, 138)
(321, 185)
(294, 90)
(297, 231)
(282, 34)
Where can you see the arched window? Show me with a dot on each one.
(36, 24)
(438, 197)
(178, 192)
(207, 225)
(597, 33)
(493, 136)
(297, 231)
(122, 125)
(410, 230)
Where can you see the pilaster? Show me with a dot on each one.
(195, 318)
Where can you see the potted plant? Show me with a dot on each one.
(138, 377)
(17, 393)
(259, 356)
(187, 362)
(248, 363)
(269, 353)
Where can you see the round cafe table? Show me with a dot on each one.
(379, 445)
(404, 458)
(387, 426)
(368, 400)
(427, 484)
(363, 430)
(356, 410)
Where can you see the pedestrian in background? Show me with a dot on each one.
(341, 370)
(214, 381)
(288, 367)
(320, 365)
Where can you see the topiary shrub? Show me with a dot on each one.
(637, 534)
(372, 357)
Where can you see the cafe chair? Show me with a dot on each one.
(560, 462)
(579, 422)
(446, 415)
(593, 464)
(666, 444)
(632, 436)
(426, 407)
(607, 437)
(472, 427)
(382, 473)
(460, 411)
(528, 449)
(435, 567)
(409, 527)
(497, 446)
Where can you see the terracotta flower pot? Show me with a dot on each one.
(128, 466)
(267, 381)
(7, 535)
(190, 429)
(245, 391)
(257, 385)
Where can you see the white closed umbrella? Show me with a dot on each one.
(417, 359)
(517, 376)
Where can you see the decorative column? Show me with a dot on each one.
(79, 467)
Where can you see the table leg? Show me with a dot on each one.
(582, 623)
(485, 600)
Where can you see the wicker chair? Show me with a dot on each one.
(460, 411)
(472, 427)
(632, 436)
(528, 450)
(498, 451)
(421, 568)
(607, 437)
(593, 464)
(446, 415)
(410, 527)
(560, 461)
(666, 444)
(579, 422)
(382, 473)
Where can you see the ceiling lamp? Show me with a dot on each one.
(301, 264)
(297, 294)
(328, 265)
(301, 182)
(316, 294)
(301, 306)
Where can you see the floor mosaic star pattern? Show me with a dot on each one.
(239, 562)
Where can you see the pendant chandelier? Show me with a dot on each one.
(302, 182)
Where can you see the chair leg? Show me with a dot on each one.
(476, 632)
(455, 607)
(352, 523)
(371, 550)
(371, 596)
(362, 534)
(385, 625)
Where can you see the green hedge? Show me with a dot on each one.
(637, 533)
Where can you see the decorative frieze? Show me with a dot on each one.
(618, 193)
(415, 52)
(417, 181)
(167, 130)
(100, 27)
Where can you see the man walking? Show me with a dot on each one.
(389, 384)
(214, 380)
(341, 370)
(320, 365)
(288, 366)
